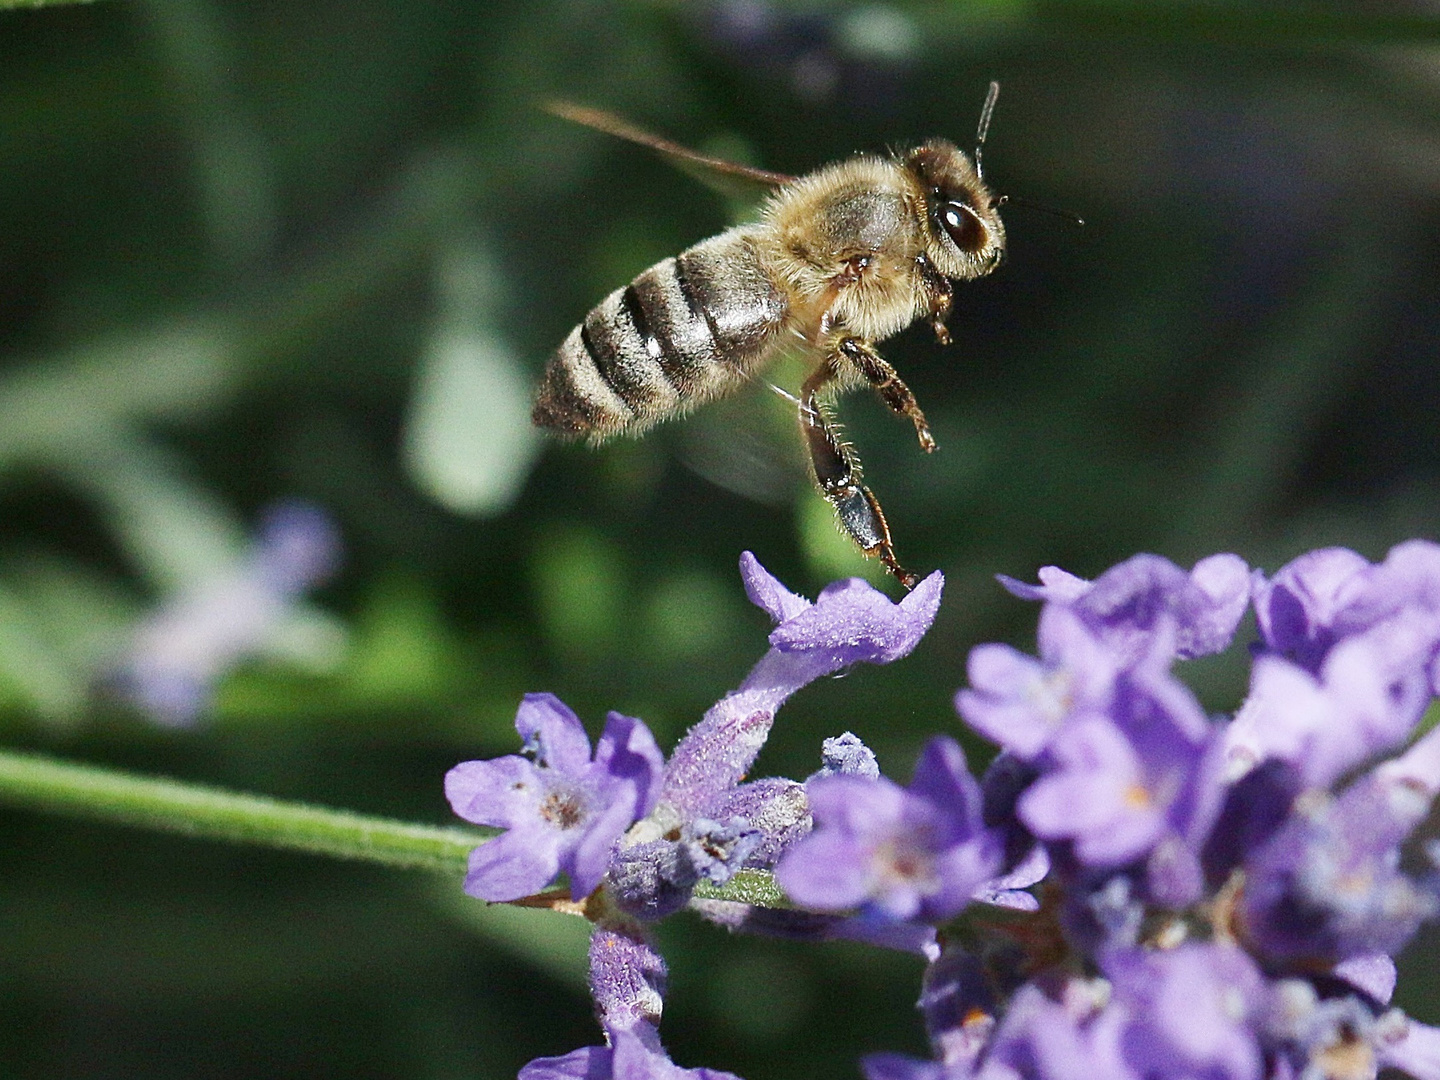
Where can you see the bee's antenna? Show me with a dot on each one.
(983, 128)
(1054, 210)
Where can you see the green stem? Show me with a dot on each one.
(43, 783)
(36, 782)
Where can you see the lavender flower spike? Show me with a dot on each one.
(627, 978)
(849, 623)
(562, 811)
(627, 981)
(895, 853)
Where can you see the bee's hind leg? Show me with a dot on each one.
(887, 383)
(837, 474)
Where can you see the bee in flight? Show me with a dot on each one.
(840, 259)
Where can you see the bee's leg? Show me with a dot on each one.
(941, 295)
(837, 474)
(888, 384)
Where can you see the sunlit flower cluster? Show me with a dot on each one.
(1142, 890)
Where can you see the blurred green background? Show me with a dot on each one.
(262, 251)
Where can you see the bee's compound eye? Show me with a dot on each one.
(964, 227)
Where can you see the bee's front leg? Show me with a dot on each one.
(837, 474)
(941, 296)
(888, 384)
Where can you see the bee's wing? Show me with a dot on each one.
(727, 177)
(748, 443)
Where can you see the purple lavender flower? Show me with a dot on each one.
(1413, 1048)
(1326, 887)
(1371, 973)
(1114, 785)
(631, 1055)
(1354, 664)
(1296, 609)
(901, 854)
(562, 811)
(627, 981)
(1362, 702)
(1010, 889)
(1220, 907)
(849, 623)
(1328, 597)
(959, 1004)
(1408, 579)
(1310, 1034)
(1057, 1028)
(846, 755)
(1189, 1011)
(775, 809)
(1020, 702)
(627, 977)
(1336, 859)
(1130, 603)
(651, 879)
(181, 651)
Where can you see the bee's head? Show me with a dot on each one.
(964, 235)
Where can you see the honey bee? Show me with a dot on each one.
(840, 259)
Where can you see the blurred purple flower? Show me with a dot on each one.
(1327, 886)
(1310, 1034)
(1115, 784)
(1362, 702)
(1189, 1011)
(562, 811)
(1371, 973)
(178, 654)
(1020, 702)
(1058, 1029)
(1147, 596)
(1296, 608)
(1413, 1048)
(1408, 580)
(1327, 597)
(821, 54)
(959, 1004)
(900, 854)
(1010, 889)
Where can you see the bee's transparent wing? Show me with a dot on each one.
(729, 178)
(748, 443)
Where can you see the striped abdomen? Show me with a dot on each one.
(686, 330)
